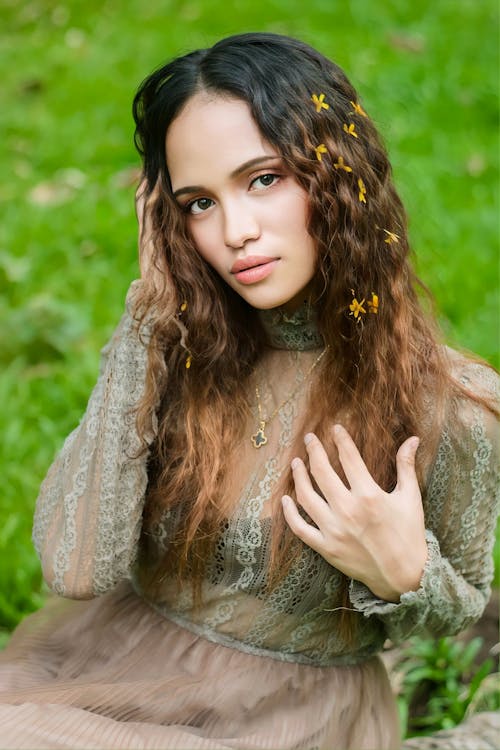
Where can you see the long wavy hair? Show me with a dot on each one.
(377, 375)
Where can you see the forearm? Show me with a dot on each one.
(88, 514)
(443, 604)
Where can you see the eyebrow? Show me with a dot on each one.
(234, 173)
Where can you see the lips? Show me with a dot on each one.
(253, 268)
(250, 262)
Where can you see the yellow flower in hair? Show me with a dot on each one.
(362, 191)
(350, 130)
(391, 237)
(358, 110)
(189, 359)
(319, 102)
(356, 308)
(373, 303)
(321, 149)
(340, 164)
(183, 307)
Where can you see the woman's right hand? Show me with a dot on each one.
(152, 269)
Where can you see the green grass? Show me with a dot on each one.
(443, 678)
(426, 71)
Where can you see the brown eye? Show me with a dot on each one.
(199, 205)
(266, 180)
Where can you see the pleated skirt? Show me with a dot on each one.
(113, 673)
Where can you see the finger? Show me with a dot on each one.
(303, 530)
(141, 189)
(323, 472)
(307, 497)
(140, 198)
(147, 253)
(358, 476)
(405, 464)
(144, 196)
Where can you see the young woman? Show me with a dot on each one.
(243, 502)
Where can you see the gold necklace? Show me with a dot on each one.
(260, 437)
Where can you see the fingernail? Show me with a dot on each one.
(308, 438)
(285, 500)
(414, 443)
(295, 463)
(337, 430)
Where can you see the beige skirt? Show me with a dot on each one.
(113, 673)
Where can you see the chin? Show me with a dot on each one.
(268, 306)
(267, 296)
(290, 302)
(268, 303)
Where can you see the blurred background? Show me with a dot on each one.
(426, 72)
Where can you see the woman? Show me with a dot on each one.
(244, 489)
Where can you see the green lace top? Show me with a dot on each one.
(88, 519)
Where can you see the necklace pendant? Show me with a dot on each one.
(259, 438)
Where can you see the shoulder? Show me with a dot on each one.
(477, 380)
(474, 399)
(475, 374)
(464, 461)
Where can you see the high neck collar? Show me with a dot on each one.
(297, 330)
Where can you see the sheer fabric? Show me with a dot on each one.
(277, 658)
(113, 673)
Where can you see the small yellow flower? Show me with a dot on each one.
(189, 359)
(183, 306)
(339, 164)
(358, 110)
(350, 130)
(391, 237)
(357, 308)
(362, 191)
(319, 102)
(321, 149)
(373, 303)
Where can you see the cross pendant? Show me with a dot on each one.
(259, 438)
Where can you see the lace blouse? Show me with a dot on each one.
(88, 519)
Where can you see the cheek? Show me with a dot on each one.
(298, 211)
(298, 228)
(203, 241)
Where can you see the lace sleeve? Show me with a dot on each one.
(461, 507)
(88, 513)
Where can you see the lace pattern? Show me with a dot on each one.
(461, 508)
(88, 515)
(88, 520)
(295, 331)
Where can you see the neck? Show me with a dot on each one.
(292, 328)
(304, 297)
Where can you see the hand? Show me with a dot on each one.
(376, 537)
(150, 266)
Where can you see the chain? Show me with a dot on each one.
(260, 437)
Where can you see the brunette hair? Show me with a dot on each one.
(375, 377)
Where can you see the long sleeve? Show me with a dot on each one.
(461, 507)
(88, 513)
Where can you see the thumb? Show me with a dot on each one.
(405, 463)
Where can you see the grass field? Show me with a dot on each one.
(426, 72)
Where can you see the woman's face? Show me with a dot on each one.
(246, 214)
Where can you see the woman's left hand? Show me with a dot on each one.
(376, 537)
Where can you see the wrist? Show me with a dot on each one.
(386, 593)
(408, 578)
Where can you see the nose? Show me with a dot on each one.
(240, 224)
